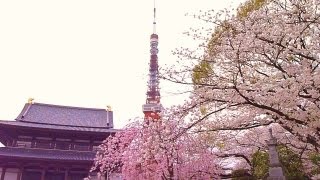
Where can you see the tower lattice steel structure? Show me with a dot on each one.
(153, 107)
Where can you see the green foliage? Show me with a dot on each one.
(250, 6)
(242, 12)
(241, 174)
(216, 36)
(315, 159)
(260, 164)
(203, 110)
(291, 163)
(201, 72)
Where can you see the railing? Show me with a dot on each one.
(43, 145)
(81, 147)
(59, 145)
(23, 144)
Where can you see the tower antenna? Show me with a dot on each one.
(154, 17)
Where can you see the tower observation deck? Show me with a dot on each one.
(153, 107)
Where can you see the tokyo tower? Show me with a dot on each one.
(153, 107)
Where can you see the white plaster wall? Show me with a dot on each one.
(11, 174)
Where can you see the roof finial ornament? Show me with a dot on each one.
(109, 108)
(30, 100)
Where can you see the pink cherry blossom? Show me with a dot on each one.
(154, 150)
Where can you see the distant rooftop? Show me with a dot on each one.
(49, 114)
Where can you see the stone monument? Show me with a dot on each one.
(275, 168)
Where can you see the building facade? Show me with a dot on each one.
(52, 142)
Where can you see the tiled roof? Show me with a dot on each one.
(56, 127)
(46, 154)
(66, 115)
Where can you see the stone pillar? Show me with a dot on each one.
(275, 169)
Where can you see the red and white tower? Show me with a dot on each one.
(153, 107)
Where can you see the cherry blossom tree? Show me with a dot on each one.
(255, 68)
(258, 70)
(152, 150)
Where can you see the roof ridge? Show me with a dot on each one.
(55, 126)
(70, 107)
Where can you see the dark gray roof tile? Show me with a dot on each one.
(66, 115)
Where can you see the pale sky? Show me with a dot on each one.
(88, 53)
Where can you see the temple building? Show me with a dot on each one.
(52, 142)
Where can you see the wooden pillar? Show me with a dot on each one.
(3, 173)
(72, 144)
(33, 142)
(14, 143)
(43, 174)
(54, 143)
(91, 144)
(20, 173)
(66, 174)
